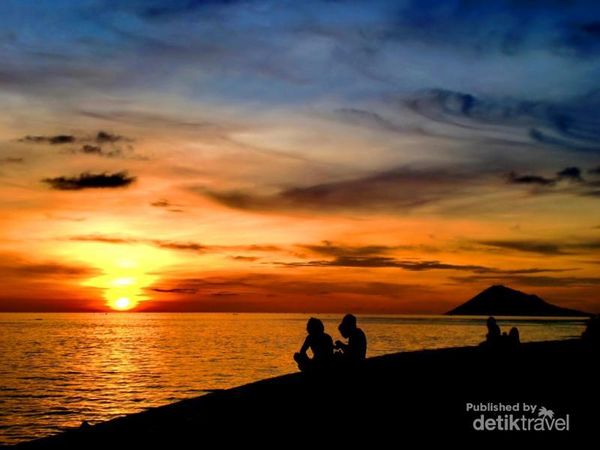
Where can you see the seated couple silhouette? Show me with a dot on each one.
(495, 339)
(325, 354)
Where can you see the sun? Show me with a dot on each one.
(122, 304)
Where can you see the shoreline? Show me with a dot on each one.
(555, 373)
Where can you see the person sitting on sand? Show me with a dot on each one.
(513, 337)
(320, 344)
(591, 335)
(493, 336)
(356, 348)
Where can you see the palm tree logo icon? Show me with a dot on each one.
(545, 413)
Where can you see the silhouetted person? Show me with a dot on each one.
(514, 339)
(319, 343)
(493, 336)
(591, 335)
(356, 348)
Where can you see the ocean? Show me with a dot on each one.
(59, 369)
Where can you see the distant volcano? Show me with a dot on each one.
(503, 301)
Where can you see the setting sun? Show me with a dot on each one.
(122, 304)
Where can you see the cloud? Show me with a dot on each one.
(174, 290)
(266, 284)
(409, 265)
(187, 246)
(530, 179)
(163, 203)
(399, 189)
(567, 181)
(570, 173)
(53, 140)
(541, 247)
(103, 238)
(166, 244)
(103, 143)
(104, 137)
(166, 204)
(174, 245)
(544, 247)
(97, 150)
(89, 180)
(328, 248)
(244, 258)
(18, 266)
(569, 124)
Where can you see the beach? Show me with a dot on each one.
(427, 393)
(62, 369)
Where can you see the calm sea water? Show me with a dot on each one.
(60, 369)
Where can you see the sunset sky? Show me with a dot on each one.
(372, 156)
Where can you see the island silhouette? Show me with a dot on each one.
(499, 300)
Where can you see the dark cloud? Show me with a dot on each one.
(395, 190)
(104, 137)
(188, 246)
(14, 266)
(265, 284)
(91, 149)
(97, 150)
(104, 239)
(103, 143)
(174, 245)
(410, 265)
(244, 258)
(330, 249)
(224, 294)
(89, 180)
(570, 173)
(567, 181)
(166, 204)
(55, 269)
(399, 189)
(163, 203)
(171, 245)
(54, 140)
(174, 290)
(530, 179)
(544, 247)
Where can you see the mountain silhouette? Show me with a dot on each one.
(500, 300)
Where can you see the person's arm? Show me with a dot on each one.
(305, 346)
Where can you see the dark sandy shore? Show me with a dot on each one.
(421, 395)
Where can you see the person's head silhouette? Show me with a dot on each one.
(348, 325)
(314, 327)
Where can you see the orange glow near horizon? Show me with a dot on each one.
(126, 273)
